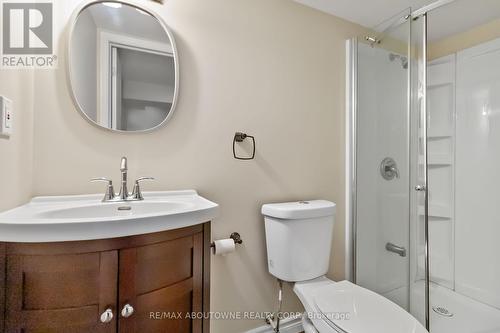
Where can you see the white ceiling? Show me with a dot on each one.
(451, 19)
(460, 16)
(368, 13)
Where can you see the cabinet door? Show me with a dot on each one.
(61, 293)
(163, 284)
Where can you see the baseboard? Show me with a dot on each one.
(292, 325)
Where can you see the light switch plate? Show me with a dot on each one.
(6, 121)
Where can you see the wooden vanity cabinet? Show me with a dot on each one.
(159, 278)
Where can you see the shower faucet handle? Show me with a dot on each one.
(389, 169)
(392, 169)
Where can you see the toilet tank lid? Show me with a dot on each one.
(299, 209)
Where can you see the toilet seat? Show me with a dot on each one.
(343, 307)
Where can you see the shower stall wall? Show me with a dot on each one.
(464, 136)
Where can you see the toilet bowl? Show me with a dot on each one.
(344, 307)
(298, 241)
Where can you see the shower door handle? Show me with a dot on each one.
(396, 249)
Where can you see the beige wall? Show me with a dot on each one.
(455, 43)
(274, 69)
(16, 152)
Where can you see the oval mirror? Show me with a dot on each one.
(123, 66)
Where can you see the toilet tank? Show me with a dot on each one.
(299, 238)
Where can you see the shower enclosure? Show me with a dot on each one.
(388, 162)
(423, 141)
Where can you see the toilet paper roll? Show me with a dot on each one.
(224, 246)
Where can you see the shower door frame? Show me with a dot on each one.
(351, 147)
(350, 153)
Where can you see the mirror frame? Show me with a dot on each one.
(70, 77)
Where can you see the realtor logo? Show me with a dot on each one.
(27, 34)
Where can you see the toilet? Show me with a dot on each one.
(299, 238)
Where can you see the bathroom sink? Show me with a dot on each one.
(117, 210)
(85, 217)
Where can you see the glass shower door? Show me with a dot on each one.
(419, 205)
(389, 163)
(382, 209)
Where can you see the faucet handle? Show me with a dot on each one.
(140, 179)
(110, 192)
(136, 192)
(102, 179)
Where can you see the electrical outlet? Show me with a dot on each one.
(6, 117)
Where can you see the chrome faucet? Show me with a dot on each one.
(123, 194)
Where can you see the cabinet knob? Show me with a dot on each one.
(127, 310)
(107, 316)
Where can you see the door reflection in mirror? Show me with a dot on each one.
(123, 67)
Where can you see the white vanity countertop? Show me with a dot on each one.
(85, 217)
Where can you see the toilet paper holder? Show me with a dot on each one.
(234, 236)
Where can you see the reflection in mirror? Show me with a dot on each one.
(123, 67)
